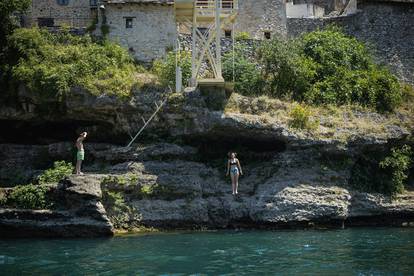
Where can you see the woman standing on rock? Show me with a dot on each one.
(235, 170)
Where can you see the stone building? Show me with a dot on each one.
(145, 27)
(262, 19)
(52, 13)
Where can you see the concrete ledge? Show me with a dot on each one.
(211, 82)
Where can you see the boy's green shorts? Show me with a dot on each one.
(80, 155)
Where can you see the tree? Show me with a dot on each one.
(286, 70)
(8, 10)
(8, 22)
(248, 79)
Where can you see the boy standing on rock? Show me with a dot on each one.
(80, 155)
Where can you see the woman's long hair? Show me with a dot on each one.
(230, 153)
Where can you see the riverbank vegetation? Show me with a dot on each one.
(324, 67)
(51, 64)
(165, 68)
(9, 22)
(319, 68)
(383, 172)
(29, 197)
(36, 195)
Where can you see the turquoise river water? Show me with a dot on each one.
(358, 251)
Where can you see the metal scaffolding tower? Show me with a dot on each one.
(206, 19)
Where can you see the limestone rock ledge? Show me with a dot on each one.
(46, 223)
(291, 189)
(80, 214)
(194, 196)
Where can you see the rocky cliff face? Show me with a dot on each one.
(175, 179)
(80, 213)
(293, 188)
(167, 186)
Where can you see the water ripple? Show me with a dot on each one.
(380, 251)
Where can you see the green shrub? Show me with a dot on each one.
(331, 49)
(247, 75)
(300, 118)
(126, 179)
(407, 92)
(111, 179)
(51, 64)
(157, 191)
(165, 68)
(60, 170)
(346, 73)
(29, 197)
(398, 165)
(376, 88)
(242, 36)
(327, 67)
(147, 191)
(150, 191)
(278, 60)
(8, 20)
(115, 200)
(121, 214)
(387, 94)
(381, 172)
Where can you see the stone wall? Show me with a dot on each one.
(387, 27)
(153, 29)
(77, 13)
(258, 17)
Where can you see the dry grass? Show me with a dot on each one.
(336, 123)
(262, 106)
(146, 78)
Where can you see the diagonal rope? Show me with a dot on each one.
(146, 122)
